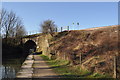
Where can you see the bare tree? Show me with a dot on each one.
(7, 22)
(19, 29)
(48, 26)
(3, 15)
(11, 25)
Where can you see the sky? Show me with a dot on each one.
(88, 14)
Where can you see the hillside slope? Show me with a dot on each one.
(98, 46)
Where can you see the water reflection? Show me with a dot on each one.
(9, 68)
(8, 72)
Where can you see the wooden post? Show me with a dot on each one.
(56, 29)
(80, 58)
(61, 29)
(68, 28)
(64, 56)
(115, 68)
(80, 61)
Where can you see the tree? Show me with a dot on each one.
(48, 26)
(11, 25)
(3, 15)
(19, 29)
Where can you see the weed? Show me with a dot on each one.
(63, 68)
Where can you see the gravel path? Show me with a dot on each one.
(41, 69)
(35, 67)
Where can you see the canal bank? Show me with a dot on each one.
(26, 70)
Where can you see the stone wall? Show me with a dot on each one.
(42, 43)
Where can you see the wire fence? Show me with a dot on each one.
(58, 29)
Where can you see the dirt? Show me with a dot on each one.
(41, 69)
(102, 42)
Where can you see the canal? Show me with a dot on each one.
(10, 67)
(13, 56)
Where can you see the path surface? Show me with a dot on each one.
(41, 69)
(35, 67)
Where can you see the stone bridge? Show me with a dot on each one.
(37, 42)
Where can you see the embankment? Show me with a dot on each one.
(94, 48)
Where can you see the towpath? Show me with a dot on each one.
(35, 67)
(41, 69)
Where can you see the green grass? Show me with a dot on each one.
(64, 69)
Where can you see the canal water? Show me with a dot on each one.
(10, 67)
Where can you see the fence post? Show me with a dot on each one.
(115, 68)
(56, 29)
(68, 28)
(64, 56)
(61, 29)
(80, 58)
(80, 61)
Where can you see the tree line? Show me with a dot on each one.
(11, 26)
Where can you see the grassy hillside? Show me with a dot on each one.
(97, 48)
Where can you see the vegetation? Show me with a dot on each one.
(94, 48)
(48, 26)
(12, 29)
(11, 26)
(64, 69)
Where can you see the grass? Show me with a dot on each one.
(64, 69)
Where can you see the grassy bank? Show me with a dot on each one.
(96, 47)
(64, 69)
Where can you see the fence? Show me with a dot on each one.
(114, 68)
(59, 29)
